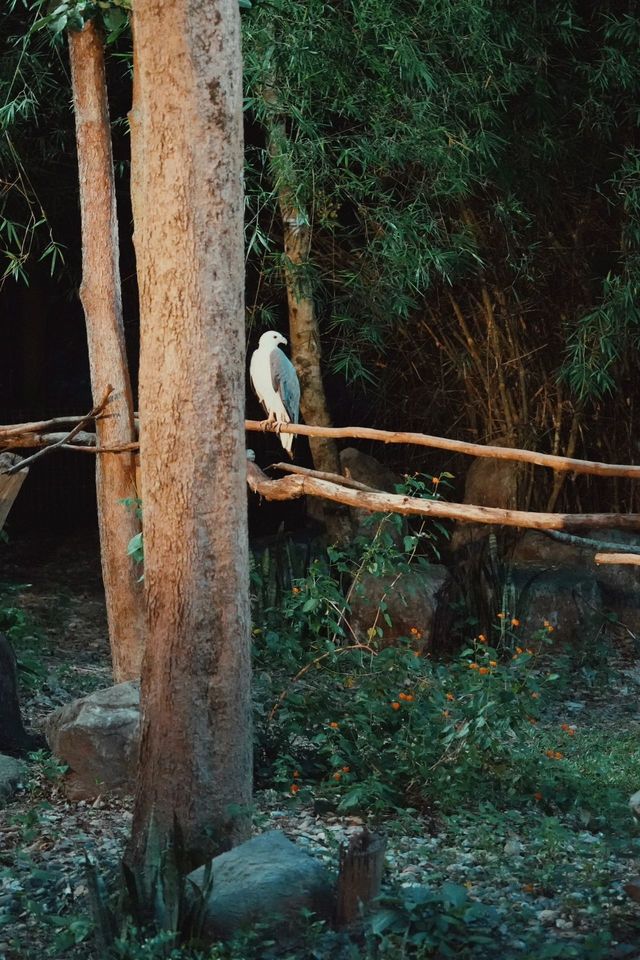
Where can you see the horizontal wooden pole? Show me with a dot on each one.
(629, 559)
(17, 435)
(295, 486)
(552, 462)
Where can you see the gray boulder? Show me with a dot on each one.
(98, 737)
(266, 880)
(12, 773)
(411, 602)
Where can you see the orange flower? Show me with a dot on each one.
(294, 788)
(296, 774)
(535, 696)
(395, 705)
(295, 589)
(519, 650)
(435, 481)
(445, 713)
(450, 696)
(501, 616)
(337, 776)
(334, 725)
(528, 887)
(493, 663)
(554, 755)
(549, 626)
(537, 796)
(567, 729)
(346, 769)
(474, 666)
(484, 671)
(482, 638)
(414, 632)
(515, 622)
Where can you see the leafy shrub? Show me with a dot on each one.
(364, 726)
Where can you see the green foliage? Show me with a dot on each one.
(24, 635)
(369, 726)
(420, 921)
(426, 142)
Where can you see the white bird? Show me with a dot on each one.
(276, 384)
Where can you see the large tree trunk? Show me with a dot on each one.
(101, 299)
(194, 782)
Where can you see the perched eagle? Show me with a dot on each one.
(276, 384)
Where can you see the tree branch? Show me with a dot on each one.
(293, 487)
(551, 461)
(66, 438)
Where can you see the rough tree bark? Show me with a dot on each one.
(194, 783)
(304, 332)
(101, 299)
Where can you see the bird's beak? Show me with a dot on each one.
(284, 340)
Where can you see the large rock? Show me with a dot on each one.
(410, 600)
(98, 737)
(616, 587)
(488, 483)
(359, 466)
(266, 880)
(570, 602)
(12, 774)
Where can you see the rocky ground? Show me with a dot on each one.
(556, 887)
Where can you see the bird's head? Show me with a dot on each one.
(271, 339)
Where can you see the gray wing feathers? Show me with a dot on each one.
(285, 382)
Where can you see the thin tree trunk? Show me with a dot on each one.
(101, 299)
(304, 332)
(194, 782)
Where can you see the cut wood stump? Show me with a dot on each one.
(9, 485)
(359, 877)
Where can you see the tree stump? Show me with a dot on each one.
(14, 739)
(360, 876)
(9, 486)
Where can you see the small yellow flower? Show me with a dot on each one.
(493, 663)
(295, 590)
(435, 481)
(515, 622)
(502, 616)
(474, 666)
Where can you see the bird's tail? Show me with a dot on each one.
(286, 439)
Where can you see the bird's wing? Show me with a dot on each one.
(285, 383)
(257, 376)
